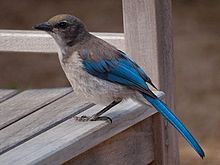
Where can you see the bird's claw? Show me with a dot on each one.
(103, 118)
(93, 118)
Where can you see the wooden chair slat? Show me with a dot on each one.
(71, 138)
(42, 120)
(27, 102)
(40, 42)
(129, 147)
(148, 38)
(6, 94)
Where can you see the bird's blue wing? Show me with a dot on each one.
(138, 69)
(117, 70)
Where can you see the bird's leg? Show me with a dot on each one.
(98, 116)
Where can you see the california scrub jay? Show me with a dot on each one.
(102, 73)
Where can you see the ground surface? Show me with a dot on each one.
(196, 49)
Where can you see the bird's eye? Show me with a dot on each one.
(62, 25)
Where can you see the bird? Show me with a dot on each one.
(103, 74)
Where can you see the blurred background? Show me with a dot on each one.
(196, 29)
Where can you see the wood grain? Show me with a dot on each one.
(36, 41)
(40, 121)
(71, 138)
(167, 72)
(141, 35)
(133, 146)
(27, 102)
(147, 27)
(6, 94)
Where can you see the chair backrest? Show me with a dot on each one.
(147, 38)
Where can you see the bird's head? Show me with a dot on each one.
(65, 29)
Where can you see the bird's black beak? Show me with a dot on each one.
(45, 26)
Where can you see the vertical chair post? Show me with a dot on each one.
(148, 39)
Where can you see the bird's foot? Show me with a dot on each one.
(93, 118)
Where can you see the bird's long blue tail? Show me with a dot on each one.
(166, 112)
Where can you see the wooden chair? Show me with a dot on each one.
(36, 126)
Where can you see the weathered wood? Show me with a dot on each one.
(36, 41)
(6, 94)
(27, 102)
(71, 138)
(42, 120)
(166, 72)
(160, 158)
(134, 146)
(147, 27)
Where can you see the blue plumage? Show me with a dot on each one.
(124, 71)
(166, 112)
(118, 70)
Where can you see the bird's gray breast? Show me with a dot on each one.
(91, 87)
